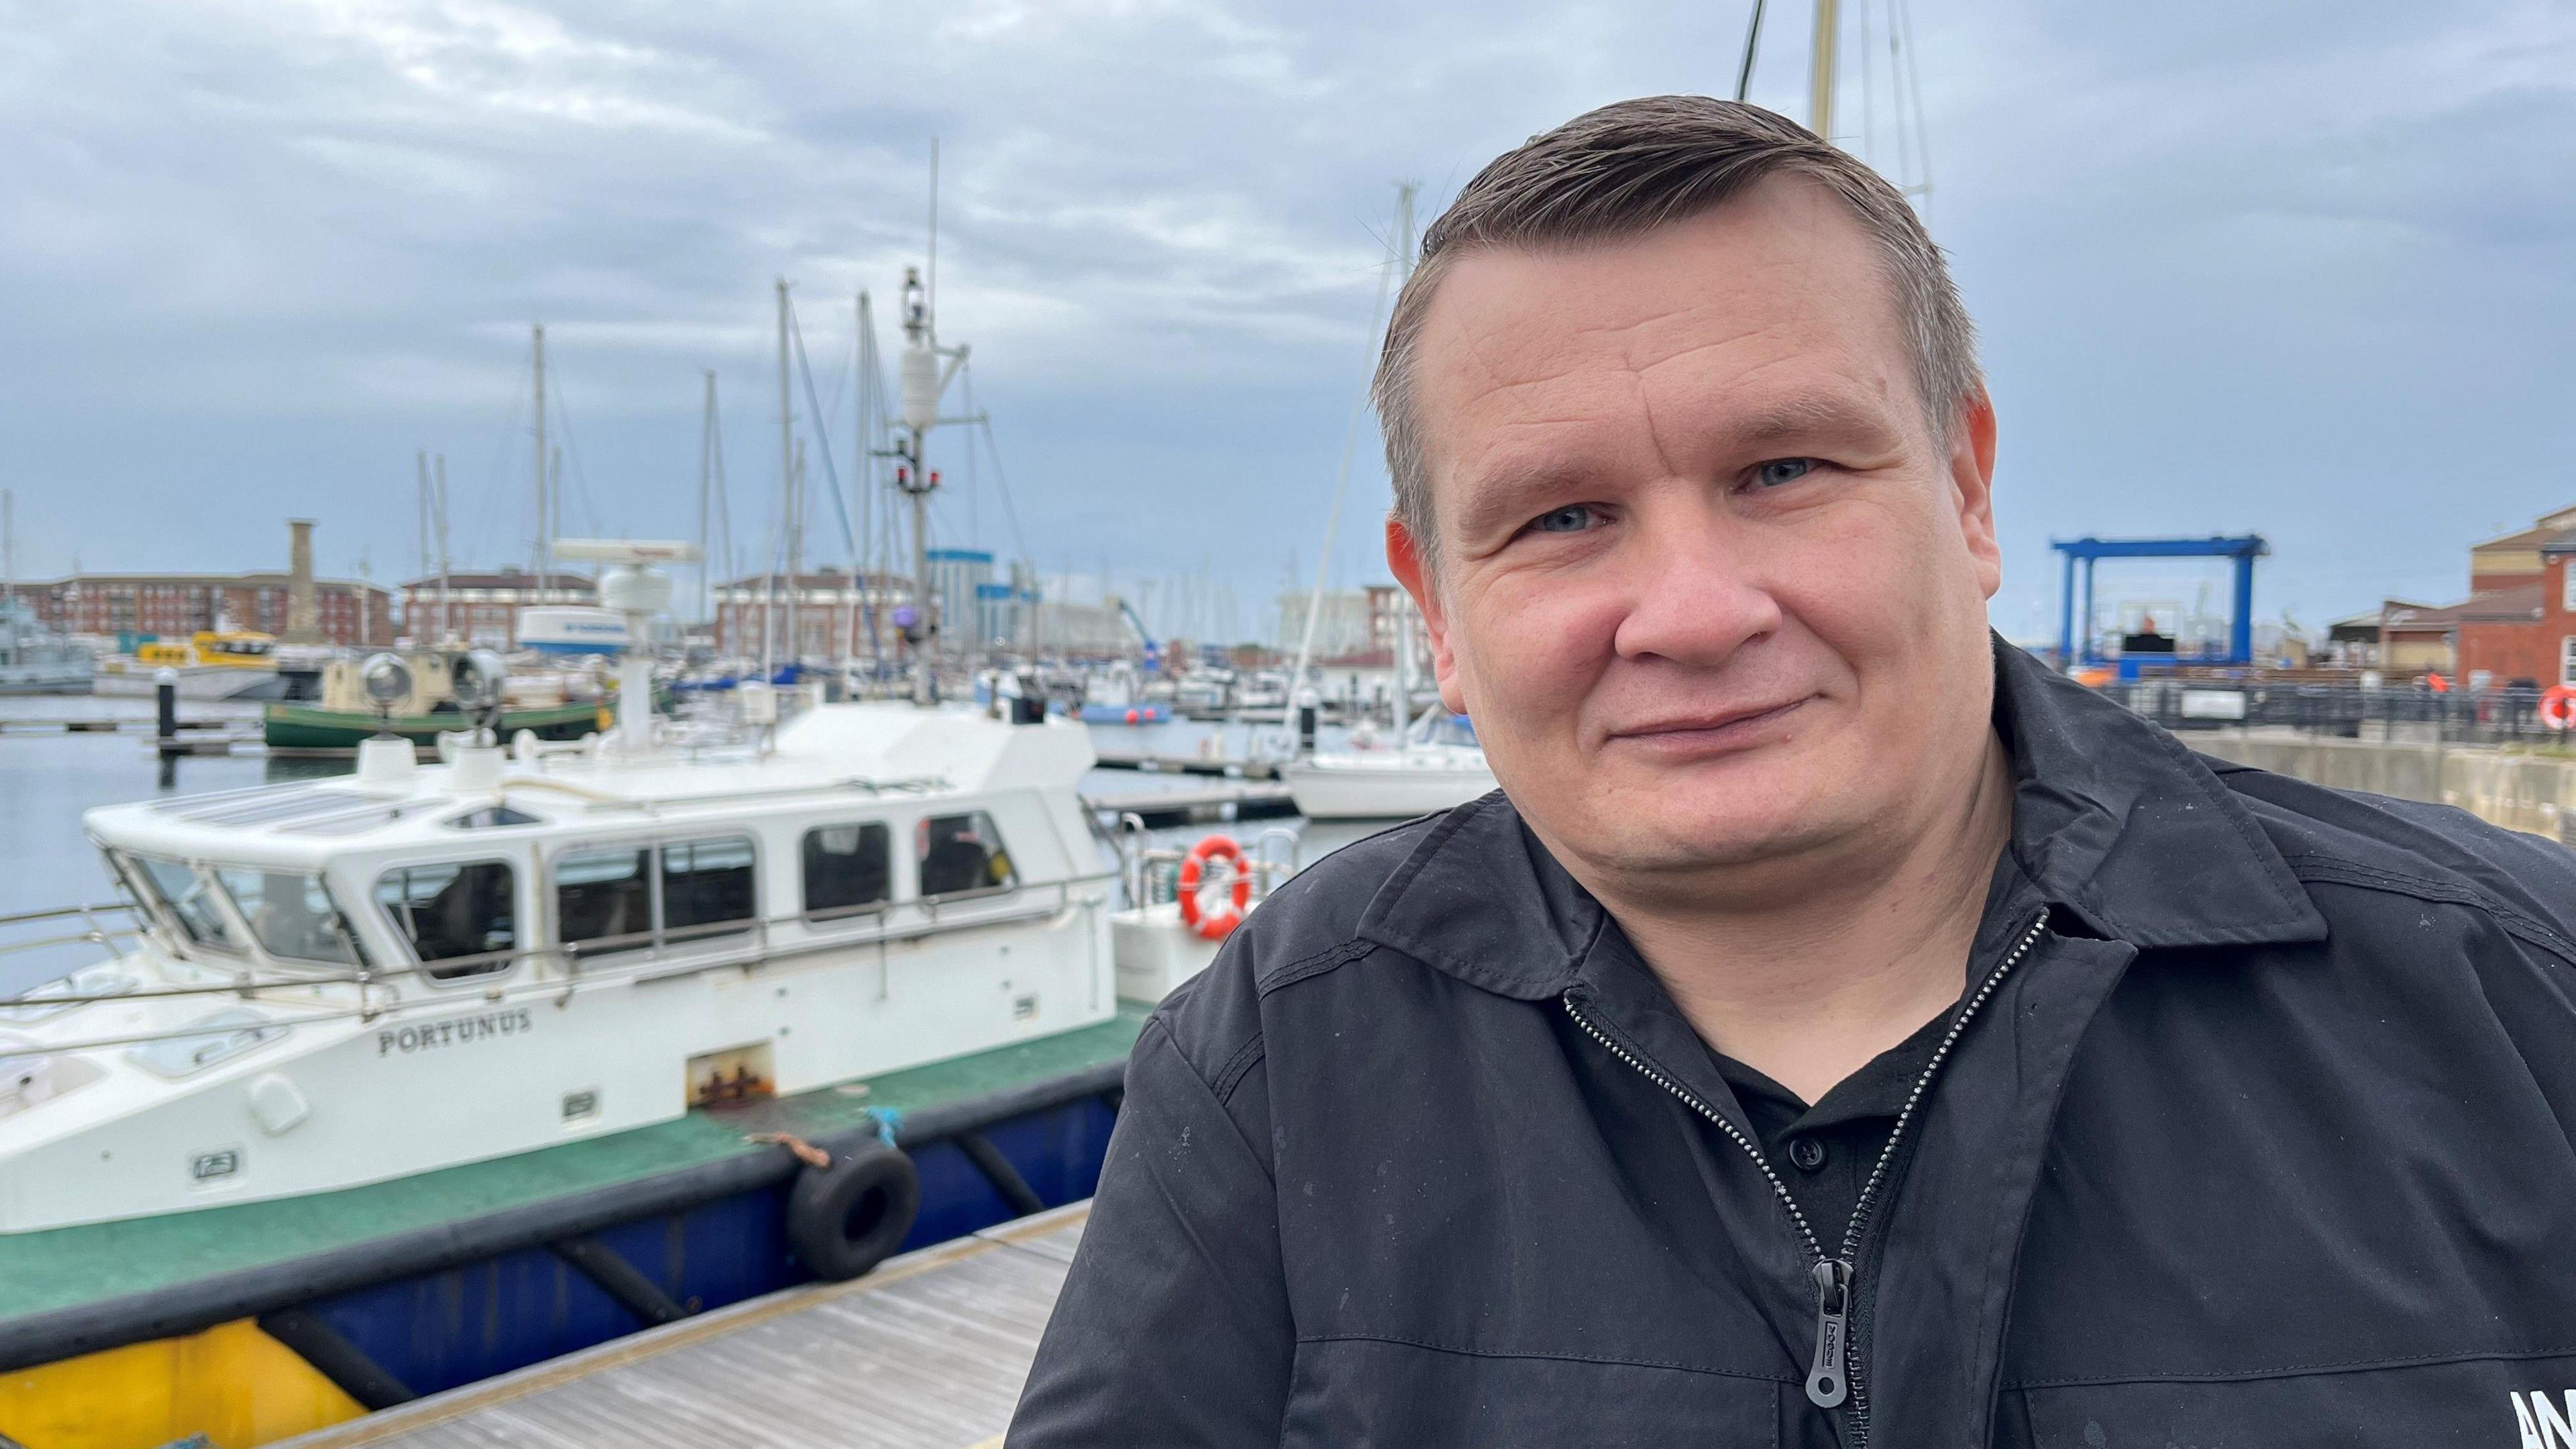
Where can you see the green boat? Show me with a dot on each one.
(311, 727)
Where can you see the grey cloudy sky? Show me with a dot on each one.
(2296, 269)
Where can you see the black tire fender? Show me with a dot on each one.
(844, 1219)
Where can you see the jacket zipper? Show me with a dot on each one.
(1833, 1375)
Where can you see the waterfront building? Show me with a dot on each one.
(350, 613)
(1351, 621)
(2517, 626)
(831, 612)
(482, 609)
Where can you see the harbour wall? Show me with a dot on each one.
(2519, 790)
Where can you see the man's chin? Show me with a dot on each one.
(1684, 843)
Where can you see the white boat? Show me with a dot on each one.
(547, 945)
(1436, 766)
(517, 948)
(37, 659)
(211, 664)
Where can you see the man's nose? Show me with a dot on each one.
(1695, 594)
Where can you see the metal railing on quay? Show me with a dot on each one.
(2398, 714)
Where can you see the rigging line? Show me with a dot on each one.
(572, 445)
(1922, 127)
(483, 522)
(1395, 261)
(1868, 91)
(1752, 44)
(1001, 480)
(823, 437)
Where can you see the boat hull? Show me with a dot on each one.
(1389, 792)
(303, 727)
(262, 1353)
(195, 682)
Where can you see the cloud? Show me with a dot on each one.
(2298, 269)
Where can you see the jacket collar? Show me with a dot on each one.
(2112, 819)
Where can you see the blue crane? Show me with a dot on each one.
(2242, 549)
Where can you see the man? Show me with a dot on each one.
(1839, 1029)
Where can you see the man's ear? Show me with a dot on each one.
(1972, 487)
(1406, 561)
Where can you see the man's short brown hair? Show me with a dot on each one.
(1635, 165)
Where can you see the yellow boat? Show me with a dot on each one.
(212, 664)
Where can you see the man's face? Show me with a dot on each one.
(1707, 585)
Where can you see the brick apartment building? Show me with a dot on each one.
(483, 608)
(351, 612)
(2518, 625)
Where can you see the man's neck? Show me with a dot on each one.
(1807, 985)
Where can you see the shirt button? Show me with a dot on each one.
(1807, 1153)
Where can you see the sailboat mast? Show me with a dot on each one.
(706, 485)
(794, 526)
(1820, 74)
(545, 541)
(446, 620)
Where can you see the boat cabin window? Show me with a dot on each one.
(604, 899)
(605, 896)
(291, 914)
(461, 917)
(707, 887)
(190, 902)
(848, 868)
(963, 855)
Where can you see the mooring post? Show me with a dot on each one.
(165, 689)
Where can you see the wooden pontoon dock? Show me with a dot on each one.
(927, 1352)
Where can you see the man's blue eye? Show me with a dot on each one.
(1783, 470)
(1572, 518)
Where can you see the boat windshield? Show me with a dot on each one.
(188, 899)
(291, 914)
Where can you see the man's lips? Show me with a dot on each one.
(1710, 728)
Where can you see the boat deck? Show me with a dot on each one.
(927, 1352)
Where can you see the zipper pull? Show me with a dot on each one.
(1827, 1380)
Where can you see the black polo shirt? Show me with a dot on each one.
(1824, 1152)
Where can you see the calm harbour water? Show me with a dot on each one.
(48, 778)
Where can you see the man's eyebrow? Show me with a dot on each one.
(1510, 494)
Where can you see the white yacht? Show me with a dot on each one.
(1435, 765)
(502, 953)
(350, 980)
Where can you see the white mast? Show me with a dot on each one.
(446, 620)
(706, 484)
(924, 381)
(545, 523)
(788, 519)
(1820, 74)
(8, 544)
(420, 519)
(1399, 266)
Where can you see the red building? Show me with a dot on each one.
(350, 613)
(2518, 624)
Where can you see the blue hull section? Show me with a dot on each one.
(439, 1330)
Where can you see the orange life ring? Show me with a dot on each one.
(2558, 706)
(1215, 925)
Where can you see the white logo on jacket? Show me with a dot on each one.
(2543, 1424)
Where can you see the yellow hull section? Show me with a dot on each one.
(232, 1383)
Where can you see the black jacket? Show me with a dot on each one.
(2256, 1132)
